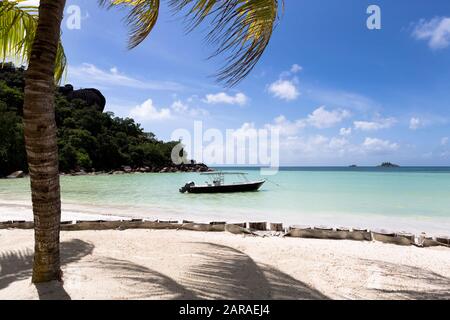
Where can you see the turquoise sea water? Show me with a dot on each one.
(411, 199)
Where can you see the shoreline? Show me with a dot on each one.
(261, 229)
(167, 264)
(22, 210)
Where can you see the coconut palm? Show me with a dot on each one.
(36, 38)
(241, 30)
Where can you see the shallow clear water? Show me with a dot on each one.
(412, 199)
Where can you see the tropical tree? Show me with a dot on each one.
(36, 38)
(240, 29)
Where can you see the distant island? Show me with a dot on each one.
(89, 140)
(388, 165)
(353, 166)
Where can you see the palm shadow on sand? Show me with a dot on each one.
(221, 272)
(17, 265)
(419, 283)
(227, 273)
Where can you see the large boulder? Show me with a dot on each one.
(91, 96)
(16, 174)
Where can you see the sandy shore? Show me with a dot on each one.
(167, 264)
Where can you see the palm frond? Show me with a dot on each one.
(18, 24)
(240, 28)
(141, 19)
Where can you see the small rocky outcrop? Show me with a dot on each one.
(388, 165)
(194, 167)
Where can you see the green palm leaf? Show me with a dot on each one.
(18, 25)
(141, 19)
(241, 29)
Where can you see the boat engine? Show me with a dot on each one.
(187, 186)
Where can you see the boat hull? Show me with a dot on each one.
(245, 187)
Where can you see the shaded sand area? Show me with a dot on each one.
(168, 264)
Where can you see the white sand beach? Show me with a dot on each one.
(168, 264)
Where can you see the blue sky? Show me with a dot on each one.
(339, 92)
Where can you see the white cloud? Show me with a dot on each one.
(374, 125)
(336, 98)
(247, 130)
(345, 131)
(179, 106)
(284, 89)
(88, 74)
(338, 143)
(436, 31)
(114, 70)
(415, 123)
(148, 112)
(308, 146)
(322, 118)
(316, 146)
(445, 154)
(183, 109)
(296, 68)
(222, 97)
(284, 126)
(375, 145)
(444, 141)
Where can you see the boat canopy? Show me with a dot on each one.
(218, 177)
(222, 172)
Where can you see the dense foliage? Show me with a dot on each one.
(87, 138)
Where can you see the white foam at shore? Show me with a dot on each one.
(21, 210)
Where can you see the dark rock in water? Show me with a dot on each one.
(353, 166)
(91, 96)
(389, 165)
(16, 174)
(127, 169)
(79, 173)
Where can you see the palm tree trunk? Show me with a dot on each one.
(41, 143)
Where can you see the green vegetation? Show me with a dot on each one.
(87, 138)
